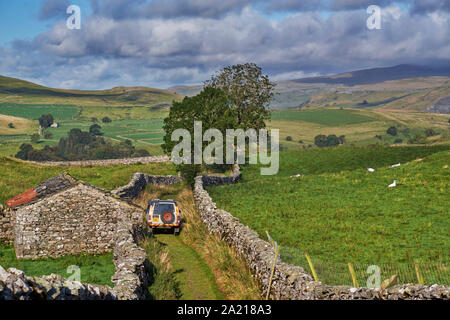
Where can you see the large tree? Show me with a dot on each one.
(211, 107)
(250, 93)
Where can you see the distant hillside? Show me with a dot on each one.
(20, 91)
(186, 91)
(377, 75)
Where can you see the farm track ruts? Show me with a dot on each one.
(192, 273)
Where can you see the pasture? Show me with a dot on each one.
(339, 212)
(95, 269)
(20, 125)
(360, 127)
(34, 111)
(141, 125)
(18, 176)
(329, 117)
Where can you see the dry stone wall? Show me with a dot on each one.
(15, 285)
(108, 162)
(130, 279)
(289, 281)
(139, 181)
(6, 228)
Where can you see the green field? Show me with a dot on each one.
(359, 126)
(338, 212)
(330, 117)
(18, 176)
(94, 269)
(145, 133)
(34, 111)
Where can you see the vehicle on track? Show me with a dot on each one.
(163, 214)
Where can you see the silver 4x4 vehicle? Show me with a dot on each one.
(163, 214)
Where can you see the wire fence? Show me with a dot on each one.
(366, 274)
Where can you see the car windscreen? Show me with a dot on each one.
(161, 208)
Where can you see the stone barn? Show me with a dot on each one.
(64, 216)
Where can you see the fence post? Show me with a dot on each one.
(419, 276)
(353, 274)
(311, 266)
(273, 271)
(275, 250)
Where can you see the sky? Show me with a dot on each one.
(160, 43)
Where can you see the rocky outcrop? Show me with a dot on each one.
(138, 183)
(108, 162)
(441, 106)
(289, 281)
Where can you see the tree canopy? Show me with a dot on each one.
(46, 120)
(249, 91)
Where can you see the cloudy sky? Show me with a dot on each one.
(160, 43)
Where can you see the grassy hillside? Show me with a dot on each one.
(19, 91)
(20, 125)
(360, 126)
(328, 117)
(339, 212)
(418, 94)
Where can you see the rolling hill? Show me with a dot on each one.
(20, 91)
(401, 87)
(377, 75)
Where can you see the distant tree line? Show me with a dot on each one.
(81, 145)
(332, 140)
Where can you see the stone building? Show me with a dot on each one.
(64, 215)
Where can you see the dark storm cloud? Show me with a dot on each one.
(53, 8)
(127, 9)
(427, 6)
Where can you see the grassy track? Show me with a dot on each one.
(195, 277)
(218, 262)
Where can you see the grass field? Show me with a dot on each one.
(95, 269)
(20, 126)
(329, 117)
(338, 212)
(34, 111)
(145, 133)
(18, 176)
(358, 126)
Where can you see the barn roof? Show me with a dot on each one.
(51, 186)
(55, 185)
